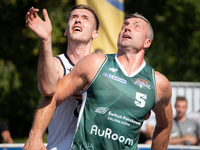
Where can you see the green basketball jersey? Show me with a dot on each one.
(115, 107)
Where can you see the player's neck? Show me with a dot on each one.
(77, 51)
(130, 61)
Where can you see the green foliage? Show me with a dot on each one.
(19, 51)
(174, 51)
(9, 78)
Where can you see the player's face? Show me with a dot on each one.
(133, 34)
(81, 25)
(181, 108)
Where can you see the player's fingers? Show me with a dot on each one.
(28, 23)
(33, 13)
(27, 19)
(27, 16)
(33, 10)
(46, 16)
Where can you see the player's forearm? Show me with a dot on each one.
(162, 130)
(42, 118)
(160, 138)
(47, 74)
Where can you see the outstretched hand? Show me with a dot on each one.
(41, 28)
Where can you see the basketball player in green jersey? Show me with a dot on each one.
(121, 90)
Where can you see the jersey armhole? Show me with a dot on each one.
(62, 65)
(154, 82)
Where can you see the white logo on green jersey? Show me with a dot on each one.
(114, 78)
(107, 133)
(101, 110)
(113, 69)
(86, 146)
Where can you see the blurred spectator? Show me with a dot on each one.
(146, 132)
(143, 134)
(5, 133)
(184, 131)
(98, 51)
(195, 116)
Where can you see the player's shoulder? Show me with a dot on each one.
(94, 59)
(97, 56)
(161, 80)
(90, 63)
(59, 67)
(163, 86)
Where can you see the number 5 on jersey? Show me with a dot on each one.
(140, 99)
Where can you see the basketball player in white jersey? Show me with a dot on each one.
(82, 28)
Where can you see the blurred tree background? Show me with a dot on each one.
(174, 51)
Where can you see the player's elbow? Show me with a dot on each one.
(46, 91)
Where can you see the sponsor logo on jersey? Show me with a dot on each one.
(69, 69)
(113, 69)
(108, 133)
(114, 78)
(118, 118)
(86, 146)
(142, 83)
(101, 110)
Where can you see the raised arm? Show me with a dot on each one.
(163, 113)
(47, 73)
(47, 77)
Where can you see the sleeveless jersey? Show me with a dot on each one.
(63, 125)
(115, 107)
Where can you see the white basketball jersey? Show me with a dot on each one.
(64, 123)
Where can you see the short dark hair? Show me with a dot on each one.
(181, 98)
(81, 6)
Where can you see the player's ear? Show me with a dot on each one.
(66, 30)
(95, 34)
(147, 43)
